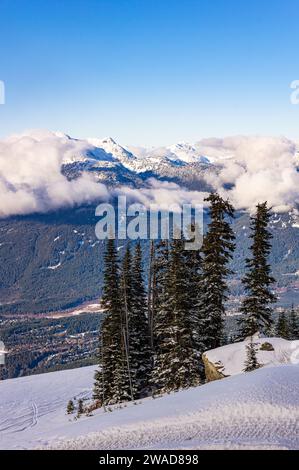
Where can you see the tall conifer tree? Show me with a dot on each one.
(139, 340)
(218, 246)
(256, 308)
(176, 361)
(112, 377)
(198, 321)
(293, 324)
(282, 327)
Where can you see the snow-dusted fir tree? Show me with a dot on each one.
(151, 282)
(80, 410)
(70, 407)
(256, 307)
(161, 313)
(251, 362)
(293, 324)
(159, 290)
(112, 377)
(176, 361)
(282, 326)
(126, 282)
(99, 386)
(217, 249)
(198, 321)
(139, 342)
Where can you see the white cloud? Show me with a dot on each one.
(263, 169)
(30, 176)
(251, 170)
(161, 193)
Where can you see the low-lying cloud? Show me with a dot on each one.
(263, 169)
(31, 178)
(250, 170)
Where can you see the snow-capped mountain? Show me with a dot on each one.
(111, 163)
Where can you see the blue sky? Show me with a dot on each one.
(149, 72)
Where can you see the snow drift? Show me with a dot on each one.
(259, 409)
(230, 359)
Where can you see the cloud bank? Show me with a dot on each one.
(262, 169)
(249, 170)
(31, 179)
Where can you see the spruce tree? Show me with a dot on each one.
(256, 307)
(70, 407)
(111, 380)
(99, 386)
(159, 288)
(282, 327)
(151, 292)
(217, 249)
(176, 362)
(251, 362)
(293, 324)
(80, 407)
(198, 321)
(127, 305)
(139, 341)
(161, 314)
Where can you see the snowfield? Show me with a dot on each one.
(230, 359)
(259, 409)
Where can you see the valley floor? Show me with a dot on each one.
(254, 410)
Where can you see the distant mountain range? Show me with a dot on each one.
(113, 164)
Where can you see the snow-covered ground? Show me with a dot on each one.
(230, 359)
(259, 409)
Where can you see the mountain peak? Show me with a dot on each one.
(109, 140)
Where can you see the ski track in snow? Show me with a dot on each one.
(255, 410)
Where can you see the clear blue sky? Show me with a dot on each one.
(149, 72)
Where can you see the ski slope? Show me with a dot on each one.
(259, 409)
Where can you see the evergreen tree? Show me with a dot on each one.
(293, 324)
(127, 298)
(251, 362)
(70, 407)
(256, 307)
(176, 361)
(111, 380)
(159, 289)
(151, 293)
(98, 387)
(139, 341)
(198, 321)
(282, 327)
(80, 407)
(161, 314)
(217, 249)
